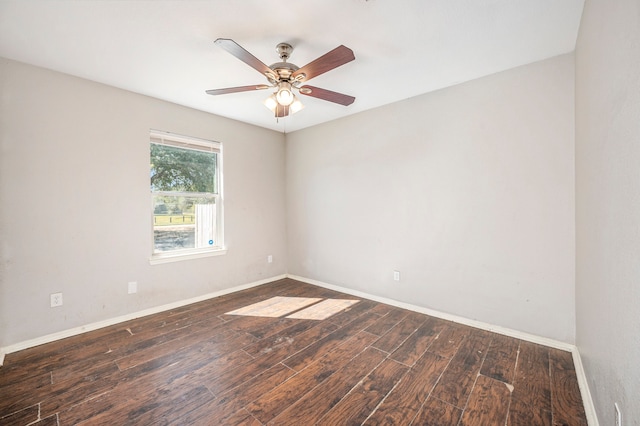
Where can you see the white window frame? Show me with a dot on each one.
(187, 142)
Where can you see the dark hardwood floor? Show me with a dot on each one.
(368, 364)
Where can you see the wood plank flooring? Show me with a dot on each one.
(370, 364)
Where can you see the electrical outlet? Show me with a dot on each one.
(396, 275)
(133, 287)
(269, 259)
(56, 299)
(618, 415)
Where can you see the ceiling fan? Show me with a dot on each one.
(286, 77)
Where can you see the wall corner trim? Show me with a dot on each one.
(590, 412)
(116, 320)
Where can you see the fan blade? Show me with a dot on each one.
(239, 52)
(337, 57)
(327, 95)
(237, 89)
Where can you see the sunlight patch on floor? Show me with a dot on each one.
(294, 307)
(324, 309)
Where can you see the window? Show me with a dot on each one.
(186, 202)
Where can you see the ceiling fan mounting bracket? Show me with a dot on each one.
(284, 51)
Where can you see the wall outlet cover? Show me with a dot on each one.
(56, 300)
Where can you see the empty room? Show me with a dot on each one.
(319, 212)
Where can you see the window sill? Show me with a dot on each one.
(168, 258)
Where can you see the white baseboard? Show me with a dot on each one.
(589, 408)
(590, 411)
(450, 317)
(112, 321)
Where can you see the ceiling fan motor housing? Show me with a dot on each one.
(283, 71)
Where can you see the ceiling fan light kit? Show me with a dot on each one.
(284, 96)
(286, 77)
(280, 110)
(271, 102)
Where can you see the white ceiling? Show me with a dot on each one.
(403, 48)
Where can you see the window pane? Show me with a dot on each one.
(182, 170)
(183, 222)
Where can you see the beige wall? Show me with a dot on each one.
(608, 205)
(468, 192)
(74, 203)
